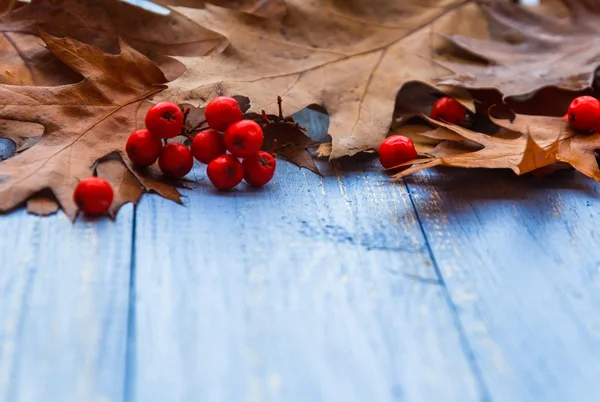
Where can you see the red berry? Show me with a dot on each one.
(584, 113)
(396, 150)
(143, 148)
(164, 120)
(448, 110)
(222, 112)
(93, 195)
(225, 172)
(259, 168)
(207, 145)
(175, 160)
(244, 138)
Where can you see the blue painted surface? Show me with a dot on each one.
(473, 286)
(520, 259)
(64, 292)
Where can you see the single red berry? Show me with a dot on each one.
(164, 120)
(222, 112)
(244, 138)
(225, 172)
(259, 168)
(207, 145)
(143, 148)
(175, 160)
(449, 110)
(396, 150)
(584, 113)
(93, 195)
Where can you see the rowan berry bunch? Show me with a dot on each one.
(219, 141)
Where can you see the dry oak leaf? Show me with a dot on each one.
(529, 50)
(543, 141)
(102, 23)
(84, 122)
(275, 9)
(348, 56)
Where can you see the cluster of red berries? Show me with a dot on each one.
(242, 138)
(584, 114)
(398, 149)
(227, 132)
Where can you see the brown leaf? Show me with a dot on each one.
(99, 23)
(529, 50)
(84, 122)
(350, 57)
(127, 188)
(289, 142)
(275, 9)
(286, 138)
(542, 142)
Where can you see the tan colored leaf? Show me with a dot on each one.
(543, 142)
(275, 9)
(350, 57)
(42, 204)
(99, 23)
(84, 122)
(529, 50)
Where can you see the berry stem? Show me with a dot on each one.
(279, 105)
(203, 122)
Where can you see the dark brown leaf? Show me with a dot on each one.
(127, 188)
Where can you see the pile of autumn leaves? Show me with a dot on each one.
(377, 69)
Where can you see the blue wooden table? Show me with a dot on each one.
(452, 286)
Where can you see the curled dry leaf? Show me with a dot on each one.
(83, 122)
(350, 57)
(101, 23)
(529, 50)
(275, 9)
(541, 142)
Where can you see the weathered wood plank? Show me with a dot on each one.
(312, 289)
(521, 261)
(64, 292)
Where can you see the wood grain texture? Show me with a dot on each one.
(311, 289)
(521, 261)
(64, 292)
